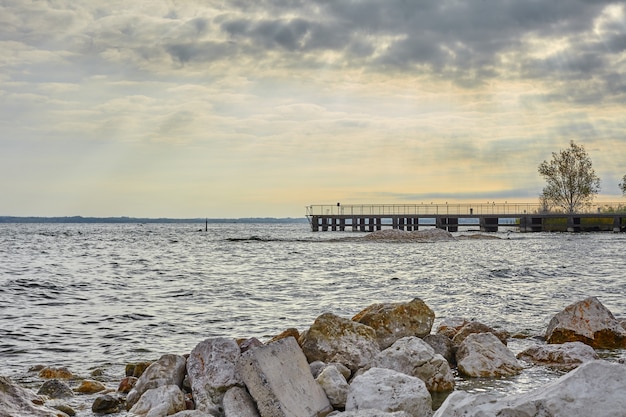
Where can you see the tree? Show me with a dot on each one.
(571, 181)
(622, 186)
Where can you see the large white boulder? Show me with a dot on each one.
(412, 356)
(212, 370)
(595, 389)
(484, 355)
(18, 401)
(389, 390)
(160, 402)
(168, 370)
(279, 379)
(587, 321)
(564, 356)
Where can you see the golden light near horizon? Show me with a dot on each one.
(180, 111)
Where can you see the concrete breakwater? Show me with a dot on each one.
(384, 361)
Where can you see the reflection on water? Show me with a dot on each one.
(101, 295)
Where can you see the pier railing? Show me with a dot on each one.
(464, 209)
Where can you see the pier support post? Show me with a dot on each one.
(573, 224)
(315, 224)
(488, 224)
(453, 224)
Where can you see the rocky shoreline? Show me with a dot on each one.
(386, 361)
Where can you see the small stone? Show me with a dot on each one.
(54, 388)
(334, 385)
(137, 369)
(55, 373)
(89, 386)
(316, 368)
(127, 384)
(64, 408)
(106, 404)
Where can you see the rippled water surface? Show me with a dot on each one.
(94, 295)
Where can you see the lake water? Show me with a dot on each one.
(92, 296)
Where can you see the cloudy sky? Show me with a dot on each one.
(237, 108)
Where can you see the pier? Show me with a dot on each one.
(487, 217)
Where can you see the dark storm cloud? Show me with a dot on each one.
(467, 42)
(463, 41)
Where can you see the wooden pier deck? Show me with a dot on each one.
(488, 217)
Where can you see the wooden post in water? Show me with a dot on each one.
(206, 224)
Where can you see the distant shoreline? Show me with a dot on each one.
(123, 219)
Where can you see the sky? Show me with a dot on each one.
(236, 108)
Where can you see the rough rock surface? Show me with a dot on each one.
(450, 326)
(238, 403)
(168, 370)
(55, 373)
(18, 401)
(106, 404)
(412, 356)
(89, 386)
(587, 321)
(388, 390)
(368, 413)
(484, 355)
(335, 339)
(442, 345)
(334, 384)
(279, 379)
(564, 356)
(393, 321)
(595, 389)
(54, 388)
(473, 327)
(292, 331)
(212, 370)
(160, 402)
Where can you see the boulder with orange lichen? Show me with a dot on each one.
(587, 321)
(336, 339)
(393, 321)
